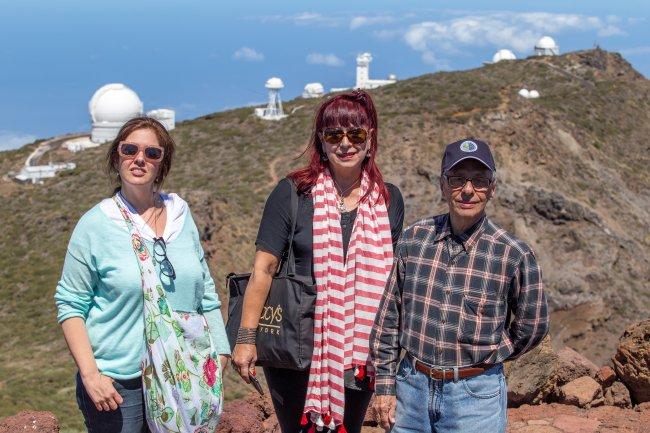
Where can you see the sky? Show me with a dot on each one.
(203, 56)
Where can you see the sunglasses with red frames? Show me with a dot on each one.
(335, 135)
(131, 150)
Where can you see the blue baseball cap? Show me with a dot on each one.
(468, 148)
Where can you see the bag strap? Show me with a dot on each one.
(288, 265)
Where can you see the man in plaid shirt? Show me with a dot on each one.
(463, 296)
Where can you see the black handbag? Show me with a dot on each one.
(285, 334)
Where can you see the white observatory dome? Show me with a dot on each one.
(533, 94)
(114, 103)
(313, 90)
(524, 93)
(546, 46)
(274, 83)
(111, 107)
(503, 55)
(546, 42)
(165, 116)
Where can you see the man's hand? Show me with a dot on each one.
(384, 407)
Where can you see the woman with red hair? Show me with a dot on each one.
(347, 225)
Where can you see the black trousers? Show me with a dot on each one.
(289, 389)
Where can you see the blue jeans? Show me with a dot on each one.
(128, 418)
(473, 405)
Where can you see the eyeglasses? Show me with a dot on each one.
(335, 135)
(160, 251)
(130, 150)
(478, 183)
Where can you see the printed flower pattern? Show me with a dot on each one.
(181, 373)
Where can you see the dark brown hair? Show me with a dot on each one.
(164, 140)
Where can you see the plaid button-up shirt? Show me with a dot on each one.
(458, 300)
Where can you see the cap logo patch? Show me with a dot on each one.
(468, 146)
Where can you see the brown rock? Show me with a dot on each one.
(576, 424)
(632, 360)
(250, 414)
(528, 376)
(538, 375)
(606, 376)
(370, 419)
(618, 395)
(643, 407)
(574, 365)
(536, 429)
(580, 392)
(32, 421)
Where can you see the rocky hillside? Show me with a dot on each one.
(573, 181)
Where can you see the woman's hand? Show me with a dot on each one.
(102, 392)
(243, 358)
(224, 360)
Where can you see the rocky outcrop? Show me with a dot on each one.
(31, 421)
(560, 418)
(253, 413)
(606, 376)
(582, 392)
(632, 361)
(539, 375)
(618, 395)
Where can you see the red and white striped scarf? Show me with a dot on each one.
(348, 294)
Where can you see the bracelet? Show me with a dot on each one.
(246, 335)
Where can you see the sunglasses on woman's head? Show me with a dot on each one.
(335, 135)
(130, 150)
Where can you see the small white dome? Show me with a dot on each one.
(314, 88)
(546, 42)
(392, 77)
(533, 94)
(503, 55)
(274, 83)
(115, 103)
(524, 93)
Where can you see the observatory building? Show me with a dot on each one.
(111, 107)
(313, 90)
(363, 78)
(273, 110)
(165, 116)
(503, 55)
(36, 173)
(546, 46)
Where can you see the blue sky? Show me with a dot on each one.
(201, 56)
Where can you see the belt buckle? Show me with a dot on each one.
(432, 373)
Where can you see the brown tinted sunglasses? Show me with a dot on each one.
(131, 150)
(335, 135)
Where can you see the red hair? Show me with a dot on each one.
(350, 109)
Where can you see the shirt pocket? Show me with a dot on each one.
(481, 321)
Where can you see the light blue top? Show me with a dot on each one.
(101, 284)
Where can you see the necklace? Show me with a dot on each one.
(341, 204)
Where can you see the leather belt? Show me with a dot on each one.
(448, 373)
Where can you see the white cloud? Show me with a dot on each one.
(303, 19)
(248, 54)
(14, 140)
(324, 59)
(360, 21)
(514, 30)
